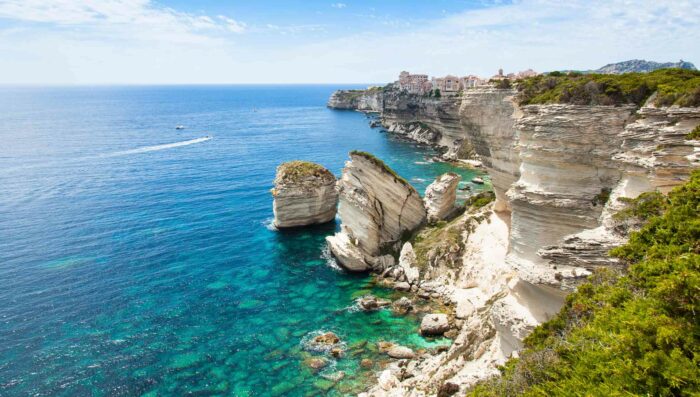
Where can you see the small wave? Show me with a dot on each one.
(307, 343)
(269, 224)
(156, 148)
(330, 260)
(421, 162)
(418, 179)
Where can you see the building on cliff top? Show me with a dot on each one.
(450, 84)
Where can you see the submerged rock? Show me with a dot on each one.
(329, 338)
(434, 324)
(371, 302)
(377, 208)
(304, 194)
(315, 363)
(440, 196)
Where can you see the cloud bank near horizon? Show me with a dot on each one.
(144, 42)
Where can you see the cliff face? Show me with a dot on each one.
(557, 171)
(437, 119)
(376, 209)
(304, 194)
(369, 100)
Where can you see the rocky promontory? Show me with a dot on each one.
(304, 194)
(377, 208)
(368, 100)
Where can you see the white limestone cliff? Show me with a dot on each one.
(557, 171)
(377, 208)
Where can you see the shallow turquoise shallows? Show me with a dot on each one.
(137, 259)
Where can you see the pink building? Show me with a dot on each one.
(413, 83)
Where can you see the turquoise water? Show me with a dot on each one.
(137, 259)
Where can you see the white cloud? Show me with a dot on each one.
(339, 5)
(136, 41)
(119, 16)
(233, 25)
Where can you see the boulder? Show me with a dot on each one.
(402, 306)
(315, 363)
(371, 302)
(304, 194)
(401, 352)
(407, 264)
(434, 324)
(347, 252)
(329, 338)
(440, 196)
(464, 309)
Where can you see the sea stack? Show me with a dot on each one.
(440, 196)
(377, 208)
(304, 194)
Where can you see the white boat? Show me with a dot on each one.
(180, 127)
(478, 181)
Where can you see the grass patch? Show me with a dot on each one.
(672, 87)
(298, 170)
(379, 163)
(480, 200)
(694, 134)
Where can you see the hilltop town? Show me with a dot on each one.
(421, 84)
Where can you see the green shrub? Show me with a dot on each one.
(379, 163)
(694, 134)
(630, 333)
(479, 200)
(673, 87)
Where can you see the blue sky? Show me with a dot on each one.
(312, 41)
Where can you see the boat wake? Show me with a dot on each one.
(156, 148)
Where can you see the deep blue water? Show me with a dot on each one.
(129, 267)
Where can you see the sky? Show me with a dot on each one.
(313, 41)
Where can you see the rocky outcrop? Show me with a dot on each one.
(377, 208)
(369, 100)
(425, 119)
(557, 172)
(304, 194)
(440, 196)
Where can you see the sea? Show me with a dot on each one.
(137, 259)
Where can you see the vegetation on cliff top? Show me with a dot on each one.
(379, 163)
(631, 333)
(298, 170)
(672, 87)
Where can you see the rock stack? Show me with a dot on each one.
(304, 194)
(440, 196)
(377, 208)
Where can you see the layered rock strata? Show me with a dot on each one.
(377, 208)
(304, 194)
(557, 171)
(440, 196)
(369, 100)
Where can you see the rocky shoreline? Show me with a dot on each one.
(505, 267)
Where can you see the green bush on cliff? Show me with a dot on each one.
(634, 332)
(672, 87)
(694, 134)
(296, 170)
(381, 164)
